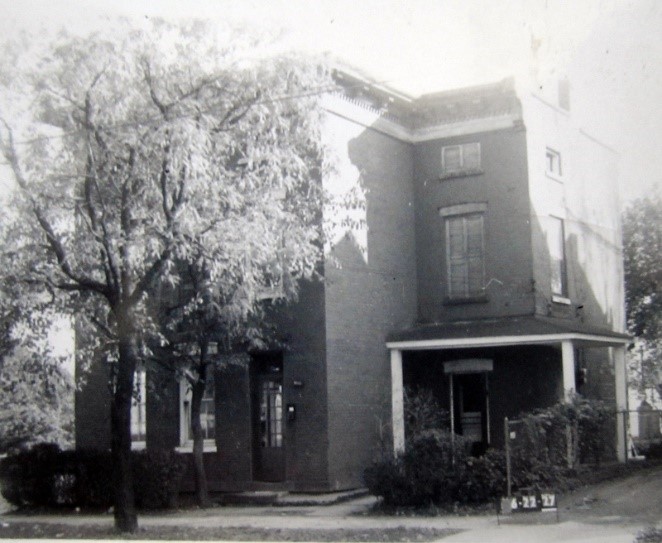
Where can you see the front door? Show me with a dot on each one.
(471, 409)
(268, 439)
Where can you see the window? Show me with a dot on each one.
(465, 256)
(207, 414)
(139, 410)
(271, 414)
(462, 159)
(556, 242)
(553, 164)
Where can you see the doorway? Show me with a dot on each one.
(267, 409)
(469, 401)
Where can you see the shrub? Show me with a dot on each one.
(649, 535)
(28, 478)
(422, 411)
(483, 478)
(94, 478)
(428, 472)
(46, 476)
(157, 475)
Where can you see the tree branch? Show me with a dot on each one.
(55, 244)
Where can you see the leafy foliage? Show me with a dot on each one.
(136, 150)
(47, 476)
(36, 401)
(435, 471)
(549, 443)
(423, 412)
(642, 252)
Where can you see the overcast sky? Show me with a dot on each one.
(610, 49)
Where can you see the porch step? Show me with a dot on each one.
(283, 498)
(251, 497)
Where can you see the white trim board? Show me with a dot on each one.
(503, 341)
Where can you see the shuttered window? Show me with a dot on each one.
(465, 256)
(460, 159)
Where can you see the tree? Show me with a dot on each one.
(642, 251)
(36, 393)
(144, 148)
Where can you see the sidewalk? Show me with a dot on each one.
(354, 515)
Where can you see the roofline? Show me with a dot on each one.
(507, 341)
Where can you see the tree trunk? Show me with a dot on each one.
(197, 392)
(126, 519)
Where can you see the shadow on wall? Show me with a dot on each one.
(585, 306)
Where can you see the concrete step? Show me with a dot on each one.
(252, 497)
(282, 498)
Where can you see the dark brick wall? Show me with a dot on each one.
(162, 409)
(232, 463)
(302, 328)
(92, 408)
(369, 295)
(508, 260)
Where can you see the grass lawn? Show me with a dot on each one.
(90, 531)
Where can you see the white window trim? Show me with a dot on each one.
(549, 172)
(186, 445)
(560, 297)
(140, 445)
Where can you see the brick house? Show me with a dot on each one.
(489, 270)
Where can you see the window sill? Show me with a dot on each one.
(208, 446)
(138, 445)
(553, 177)
(467, 300)
(461, 173)
(561, 300)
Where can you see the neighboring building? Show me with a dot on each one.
(489, 269)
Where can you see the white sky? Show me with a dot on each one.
(611, 49)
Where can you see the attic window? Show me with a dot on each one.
(459, 160)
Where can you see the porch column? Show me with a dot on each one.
(621, 385)
(397, 402)
(568, 358)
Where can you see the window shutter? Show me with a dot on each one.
(465, 255)
(471, 156)
(451, 158)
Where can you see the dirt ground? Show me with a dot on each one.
(635, 499)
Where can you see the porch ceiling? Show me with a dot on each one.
(525, 330)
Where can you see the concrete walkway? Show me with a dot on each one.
(356, 514)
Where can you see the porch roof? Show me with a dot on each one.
(504, 331)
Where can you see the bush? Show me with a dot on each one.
(483, 478)
(47, 476)
(649, 535)
(28, 478)
(422, 412)
(428, 472)
(157, 475)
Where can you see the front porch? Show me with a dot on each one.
(482, 371)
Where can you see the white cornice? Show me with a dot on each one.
(371, 118)
(504, 341)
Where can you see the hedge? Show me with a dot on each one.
(47, 476)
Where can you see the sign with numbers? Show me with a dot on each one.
(527, 502)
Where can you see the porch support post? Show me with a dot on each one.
(620, 376)
(397, 402)
(568, 358)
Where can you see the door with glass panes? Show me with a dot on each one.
(268, 423)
